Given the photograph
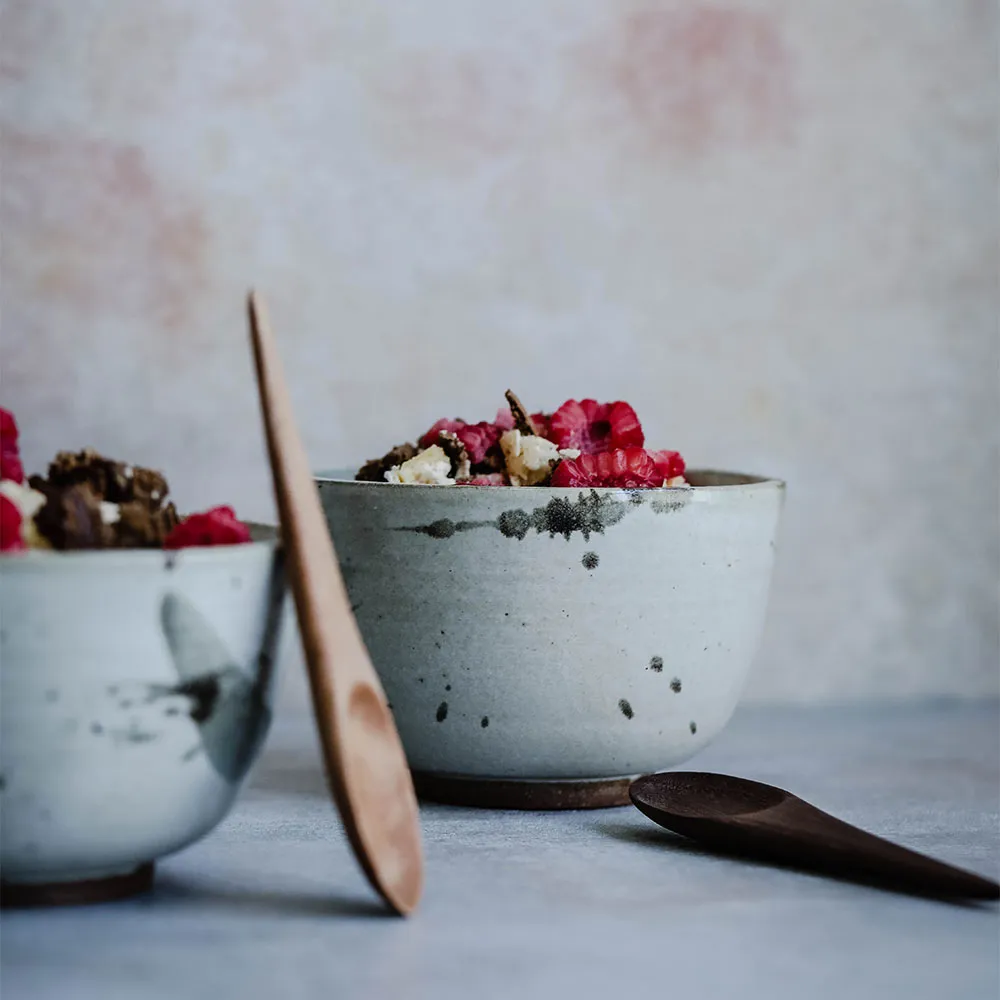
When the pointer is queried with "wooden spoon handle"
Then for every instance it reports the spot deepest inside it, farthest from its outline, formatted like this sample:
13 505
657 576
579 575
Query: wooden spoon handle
799 832
364 758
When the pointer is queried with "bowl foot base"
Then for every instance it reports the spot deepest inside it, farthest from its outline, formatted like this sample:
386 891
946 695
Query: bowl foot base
512 793
97 890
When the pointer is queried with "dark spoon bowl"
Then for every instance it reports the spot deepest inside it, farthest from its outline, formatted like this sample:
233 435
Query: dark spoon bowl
750 819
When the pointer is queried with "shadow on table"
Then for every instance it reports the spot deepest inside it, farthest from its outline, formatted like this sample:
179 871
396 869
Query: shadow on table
664 840
170 889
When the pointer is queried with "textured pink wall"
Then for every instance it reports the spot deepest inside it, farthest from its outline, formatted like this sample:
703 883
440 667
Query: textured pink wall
770 225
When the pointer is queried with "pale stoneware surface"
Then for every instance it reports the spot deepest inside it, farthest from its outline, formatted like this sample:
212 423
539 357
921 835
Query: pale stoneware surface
148 678
561 633
769 225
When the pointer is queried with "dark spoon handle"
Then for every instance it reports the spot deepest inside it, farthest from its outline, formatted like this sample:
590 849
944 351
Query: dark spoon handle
798 834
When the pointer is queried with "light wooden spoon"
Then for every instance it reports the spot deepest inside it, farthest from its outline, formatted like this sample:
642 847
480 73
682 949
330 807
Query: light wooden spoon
365 763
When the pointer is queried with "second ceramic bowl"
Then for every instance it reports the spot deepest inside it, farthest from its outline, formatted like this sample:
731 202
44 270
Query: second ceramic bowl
135 693
542 647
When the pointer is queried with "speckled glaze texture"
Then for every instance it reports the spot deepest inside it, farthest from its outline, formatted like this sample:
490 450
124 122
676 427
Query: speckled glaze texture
558 633
134 695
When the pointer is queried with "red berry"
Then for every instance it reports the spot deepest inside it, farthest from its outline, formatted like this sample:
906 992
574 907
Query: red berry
478 440
543 424
10 459
669 463
505 419
218 526
10 466
444 424
622 468
8 427
594 427
10 526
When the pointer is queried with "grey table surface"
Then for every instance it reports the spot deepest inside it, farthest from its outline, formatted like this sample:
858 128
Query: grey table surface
558 905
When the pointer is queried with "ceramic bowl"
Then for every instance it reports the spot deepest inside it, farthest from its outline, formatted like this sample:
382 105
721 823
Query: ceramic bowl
134 695
541 647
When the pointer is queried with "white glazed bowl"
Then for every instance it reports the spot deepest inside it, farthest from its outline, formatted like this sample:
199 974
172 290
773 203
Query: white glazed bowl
560 638
134 695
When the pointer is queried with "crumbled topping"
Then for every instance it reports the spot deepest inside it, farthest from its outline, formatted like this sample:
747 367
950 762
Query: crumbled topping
530 458
429 467
374 470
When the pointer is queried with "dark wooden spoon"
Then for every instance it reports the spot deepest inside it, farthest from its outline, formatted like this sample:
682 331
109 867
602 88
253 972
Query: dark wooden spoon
747 818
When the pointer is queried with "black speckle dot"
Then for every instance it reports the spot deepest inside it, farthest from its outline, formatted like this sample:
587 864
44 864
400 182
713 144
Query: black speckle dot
625 708
447 687
437 645
420 680
484 721
170 561
514 523
590 560
388 705
635 498
96 728
675 685
442 712
51 695
442 631
693 726
440 529
204 694
656 664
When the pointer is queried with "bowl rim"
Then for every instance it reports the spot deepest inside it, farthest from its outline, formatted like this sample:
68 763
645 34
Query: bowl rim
49 560
740 481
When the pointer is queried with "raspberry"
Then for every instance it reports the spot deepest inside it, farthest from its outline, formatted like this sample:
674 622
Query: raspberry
594 427
623 468
489 479
218 526
11 467
10 459
8 427
478 439
543 424
444 424
505 419
669 463
10 526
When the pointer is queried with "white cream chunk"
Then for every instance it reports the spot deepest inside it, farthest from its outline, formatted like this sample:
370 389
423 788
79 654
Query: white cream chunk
430 467
530 458
29 502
